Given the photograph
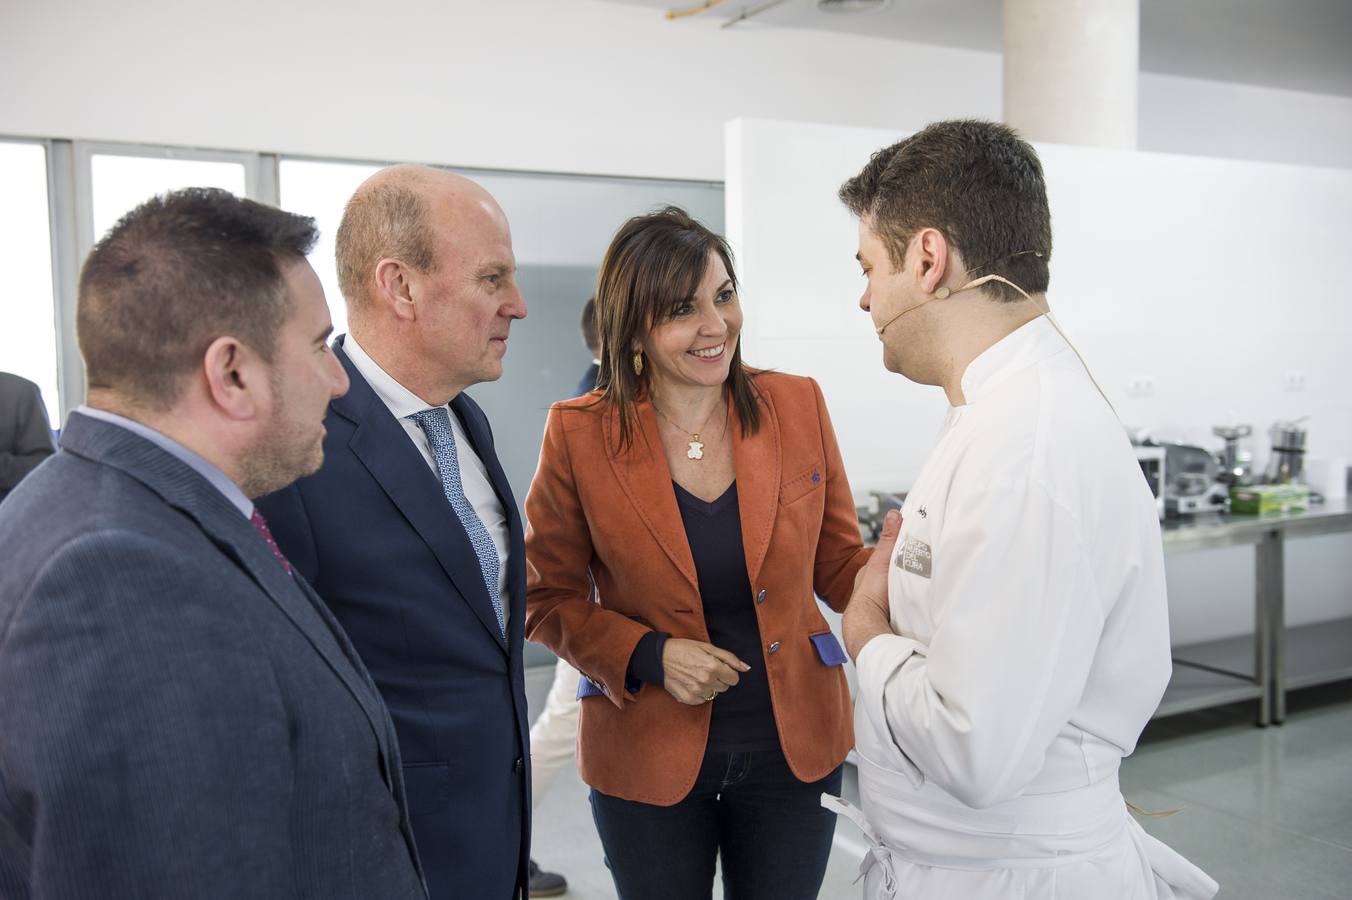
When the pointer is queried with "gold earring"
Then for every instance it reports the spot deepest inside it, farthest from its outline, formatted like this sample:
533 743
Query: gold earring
638 362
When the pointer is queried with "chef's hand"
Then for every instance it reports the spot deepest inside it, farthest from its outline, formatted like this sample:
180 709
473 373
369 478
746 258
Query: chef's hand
868 614
695 672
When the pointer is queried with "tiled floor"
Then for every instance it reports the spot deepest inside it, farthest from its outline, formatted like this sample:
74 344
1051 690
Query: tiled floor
1267 812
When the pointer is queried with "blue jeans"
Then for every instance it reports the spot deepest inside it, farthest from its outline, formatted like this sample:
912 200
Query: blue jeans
748 808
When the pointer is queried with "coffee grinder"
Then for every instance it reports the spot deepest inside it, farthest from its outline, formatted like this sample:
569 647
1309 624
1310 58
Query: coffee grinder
1287 463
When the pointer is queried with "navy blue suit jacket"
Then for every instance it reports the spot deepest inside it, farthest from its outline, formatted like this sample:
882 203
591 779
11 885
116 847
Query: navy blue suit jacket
375 535
588 382
178 716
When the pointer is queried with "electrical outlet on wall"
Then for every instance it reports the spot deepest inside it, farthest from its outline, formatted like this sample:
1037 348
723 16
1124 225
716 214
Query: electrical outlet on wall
1293 382
1140 386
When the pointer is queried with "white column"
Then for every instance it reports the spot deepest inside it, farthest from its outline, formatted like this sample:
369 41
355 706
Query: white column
1071 70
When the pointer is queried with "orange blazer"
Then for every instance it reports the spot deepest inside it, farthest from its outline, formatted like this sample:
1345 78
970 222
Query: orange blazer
594 512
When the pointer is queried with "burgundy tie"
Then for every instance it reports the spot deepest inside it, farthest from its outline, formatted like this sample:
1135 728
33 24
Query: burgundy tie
262 525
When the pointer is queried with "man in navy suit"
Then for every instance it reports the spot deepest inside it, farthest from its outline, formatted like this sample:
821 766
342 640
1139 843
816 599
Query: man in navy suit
180 716
410 533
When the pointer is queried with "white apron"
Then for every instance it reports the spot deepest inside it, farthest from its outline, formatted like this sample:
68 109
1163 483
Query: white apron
1110 856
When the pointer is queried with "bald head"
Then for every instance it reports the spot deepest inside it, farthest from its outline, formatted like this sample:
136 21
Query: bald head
396 214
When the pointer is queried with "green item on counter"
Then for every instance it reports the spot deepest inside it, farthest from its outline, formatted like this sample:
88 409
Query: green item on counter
1269 498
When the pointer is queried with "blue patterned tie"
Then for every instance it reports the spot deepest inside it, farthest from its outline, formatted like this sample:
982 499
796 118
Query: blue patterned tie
436 424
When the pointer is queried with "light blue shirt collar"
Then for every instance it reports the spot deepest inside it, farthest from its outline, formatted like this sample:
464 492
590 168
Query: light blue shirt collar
219 480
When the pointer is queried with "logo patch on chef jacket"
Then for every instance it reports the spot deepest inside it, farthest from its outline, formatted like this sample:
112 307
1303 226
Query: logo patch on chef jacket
915 557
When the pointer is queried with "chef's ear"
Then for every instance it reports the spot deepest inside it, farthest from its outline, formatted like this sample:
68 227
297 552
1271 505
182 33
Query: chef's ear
933 258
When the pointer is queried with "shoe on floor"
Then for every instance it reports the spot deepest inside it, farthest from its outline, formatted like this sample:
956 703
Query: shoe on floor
545 884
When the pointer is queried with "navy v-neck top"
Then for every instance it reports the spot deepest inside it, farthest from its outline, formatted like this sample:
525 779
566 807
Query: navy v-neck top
743 718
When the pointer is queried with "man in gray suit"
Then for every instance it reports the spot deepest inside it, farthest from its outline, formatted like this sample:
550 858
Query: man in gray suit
179 714
25 434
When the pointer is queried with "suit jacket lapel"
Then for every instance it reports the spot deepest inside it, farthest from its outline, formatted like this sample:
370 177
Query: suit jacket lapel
187 491
382 446
641 470
307 612
759 461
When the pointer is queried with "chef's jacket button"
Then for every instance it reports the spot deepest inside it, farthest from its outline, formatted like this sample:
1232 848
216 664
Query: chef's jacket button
774 648
760 598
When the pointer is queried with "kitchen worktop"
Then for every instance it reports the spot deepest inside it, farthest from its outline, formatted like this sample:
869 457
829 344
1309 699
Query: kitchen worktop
1207 530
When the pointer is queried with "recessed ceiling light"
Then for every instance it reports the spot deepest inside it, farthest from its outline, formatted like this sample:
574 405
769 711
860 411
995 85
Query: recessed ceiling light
851 6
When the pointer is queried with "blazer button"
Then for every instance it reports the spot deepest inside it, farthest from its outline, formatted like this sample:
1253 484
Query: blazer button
760 598
774 648
518 765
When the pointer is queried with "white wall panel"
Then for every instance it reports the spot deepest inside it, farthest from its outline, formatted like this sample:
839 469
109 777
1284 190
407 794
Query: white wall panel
548 85
1214 278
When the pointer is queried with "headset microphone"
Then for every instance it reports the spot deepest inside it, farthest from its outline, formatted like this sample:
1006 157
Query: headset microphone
944 293
899 315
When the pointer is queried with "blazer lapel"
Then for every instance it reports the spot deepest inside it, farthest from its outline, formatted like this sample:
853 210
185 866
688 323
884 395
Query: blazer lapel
187 491
758 460
641 470
382 446
302 606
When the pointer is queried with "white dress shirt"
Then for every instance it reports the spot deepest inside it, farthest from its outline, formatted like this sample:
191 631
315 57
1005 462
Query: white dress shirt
1031 647
403 403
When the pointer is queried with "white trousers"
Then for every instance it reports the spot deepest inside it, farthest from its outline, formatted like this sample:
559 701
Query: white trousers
553 737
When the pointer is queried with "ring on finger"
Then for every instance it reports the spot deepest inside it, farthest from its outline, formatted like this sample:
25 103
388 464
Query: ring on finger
712 695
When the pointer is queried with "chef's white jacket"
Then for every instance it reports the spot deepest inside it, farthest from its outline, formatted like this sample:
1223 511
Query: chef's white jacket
1031 646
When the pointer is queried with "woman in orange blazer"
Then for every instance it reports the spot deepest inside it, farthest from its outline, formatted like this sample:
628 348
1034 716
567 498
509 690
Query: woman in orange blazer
708 504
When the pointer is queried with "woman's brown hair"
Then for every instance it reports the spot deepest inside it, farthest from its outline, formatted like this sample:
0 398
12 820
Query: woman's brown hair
654 264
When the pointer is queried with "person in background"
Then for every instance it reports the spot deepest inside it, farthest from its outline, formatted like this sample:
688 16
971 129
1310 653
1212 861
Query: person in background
592 338
1011 632
182 717
410 532
25 432
553 737
708 503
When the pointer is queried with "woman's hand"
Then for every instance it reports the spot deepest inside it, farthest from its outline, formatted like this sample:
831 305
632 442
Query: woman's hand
868 614
695 672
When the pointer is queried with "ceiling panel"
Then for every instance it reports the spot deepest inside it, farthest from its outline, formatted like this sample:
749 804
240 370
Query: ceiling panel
1302 45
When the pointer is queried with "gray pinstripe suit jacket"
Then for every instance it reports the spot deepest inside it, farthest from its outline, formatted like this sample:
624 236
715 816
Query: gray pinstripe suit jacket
178 716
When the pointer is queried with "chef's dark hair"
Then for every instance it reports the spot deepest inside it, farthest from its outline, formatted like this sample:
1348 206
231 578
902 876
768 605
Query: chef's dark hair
978 183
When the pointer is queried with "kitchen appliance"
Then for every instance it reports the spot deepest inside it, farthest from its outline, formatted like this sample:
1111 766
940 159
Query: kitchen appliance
871 516
1191 484
1287 462
1236 462
1151 458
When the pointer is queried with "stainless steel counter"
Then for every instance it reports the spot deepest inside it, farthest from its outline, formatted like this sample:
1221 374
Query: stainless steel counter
1260 666
1275 658
1212 530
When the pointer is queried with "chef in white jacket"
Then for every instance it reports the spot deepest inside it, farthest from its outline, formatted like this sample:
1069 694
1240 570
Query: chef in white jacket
1011 634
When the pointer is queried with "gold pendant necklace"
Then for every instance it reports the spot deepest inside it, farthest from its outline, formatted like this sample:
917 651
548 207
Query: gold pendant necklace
695 448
